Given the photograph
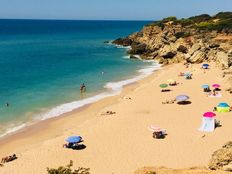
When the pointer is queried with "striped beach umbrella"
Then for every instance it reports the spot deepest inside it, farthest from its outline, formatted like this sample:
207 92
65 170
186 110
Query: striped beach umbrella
223 107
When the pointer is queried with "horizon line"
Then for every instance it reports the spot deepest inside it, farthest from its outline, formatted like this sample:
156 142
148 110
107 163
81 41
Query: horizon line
42 19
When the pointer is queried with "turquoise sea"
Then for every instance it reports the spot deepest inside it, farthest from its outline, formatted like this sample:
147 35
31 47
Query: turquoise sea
44 62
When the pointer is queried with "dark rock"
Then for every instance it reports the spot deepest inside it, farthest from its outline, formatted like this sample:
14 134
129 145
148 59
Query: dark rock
169 55
123 41
182 49
138 48
214 45
106 41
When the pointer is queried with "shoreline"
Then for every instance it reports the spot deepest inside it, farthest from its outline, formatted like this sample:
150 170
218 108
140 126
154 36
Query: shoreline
110 89
38 125
112 141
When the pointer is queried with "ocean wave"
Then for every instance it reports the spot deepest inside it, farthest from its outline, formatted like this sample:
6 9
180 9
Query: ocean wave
113 88
126 57
123 47
117 86
12 129
68 107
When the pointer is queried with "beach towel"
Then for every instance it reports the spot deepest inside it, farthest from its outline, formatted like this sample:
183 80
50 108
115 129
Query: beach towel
215 96
208 125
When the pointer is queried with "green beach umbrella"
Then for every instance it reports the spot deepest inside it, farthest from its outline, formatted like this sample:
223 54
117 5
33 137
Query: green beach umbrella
164 85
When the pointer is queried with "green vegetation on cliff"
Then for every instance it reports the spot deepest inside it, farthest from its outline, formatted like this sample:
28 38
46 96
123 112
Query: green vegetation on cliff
220 22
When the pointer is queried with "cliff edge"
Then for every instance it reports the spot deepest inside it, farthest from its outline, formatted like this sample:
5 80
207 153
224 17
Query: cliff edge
196 39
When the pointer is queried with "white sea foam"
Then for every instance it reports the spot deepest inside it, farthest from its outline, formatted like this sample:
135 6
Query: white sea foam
113 88
13 128
68 107
126 57
117 86
123 47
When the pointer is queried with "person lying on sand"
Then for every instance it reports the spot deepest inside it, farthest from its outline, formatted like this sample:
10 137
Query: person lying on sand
71 145
214 93
169 102
8 158
68 145
173 84
108 113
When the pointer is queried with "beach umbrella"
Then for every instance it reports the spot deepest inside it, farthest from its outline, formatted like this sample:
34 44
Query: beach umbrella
209 114
74 139
223 107
216 85
154 128
205 86
205 65
164 85
182 97
171 81
187 74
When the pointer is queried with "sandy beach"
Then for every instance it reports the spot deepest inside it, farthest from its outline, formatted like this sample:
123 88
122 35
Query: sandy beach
121 143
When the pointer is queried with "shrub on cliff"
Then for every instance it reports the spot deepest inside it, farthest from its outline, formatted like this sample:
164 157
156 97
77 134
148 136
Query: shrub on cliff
223 15
200 18
67 170
168 19
182 34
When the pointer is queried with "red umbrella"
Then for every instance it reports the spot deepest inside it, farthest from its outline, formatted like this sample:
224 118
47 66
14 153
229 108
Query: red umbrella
216 85
209 114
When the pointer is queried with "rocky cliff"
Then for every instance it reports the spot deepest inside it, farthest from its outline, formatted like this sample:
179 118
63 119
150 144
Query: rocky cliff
220 163
197 39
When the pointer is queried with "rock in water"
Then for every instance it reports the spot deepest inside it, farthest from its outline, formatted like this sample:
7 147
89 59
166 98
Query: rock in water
123 41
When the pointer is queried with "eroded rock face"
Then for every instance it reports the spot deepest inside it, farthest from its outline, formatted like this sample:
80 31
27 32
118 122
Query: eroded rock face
169 44
223 59
163 170
138 48
197 57
182 49
194 48
222 158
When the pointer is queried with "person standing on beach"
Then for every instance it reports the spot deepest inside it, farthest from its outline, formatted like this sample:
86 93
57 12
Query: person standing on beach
82 88
7 104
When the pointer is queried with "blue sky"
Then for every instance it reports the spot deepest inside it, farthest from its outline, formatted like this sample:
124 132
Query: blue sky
109 9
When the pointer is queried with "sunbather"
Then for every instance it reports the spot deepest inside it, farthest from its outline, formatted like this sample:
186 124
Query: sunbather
159 134
108 113
169 102
68 145
8 158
